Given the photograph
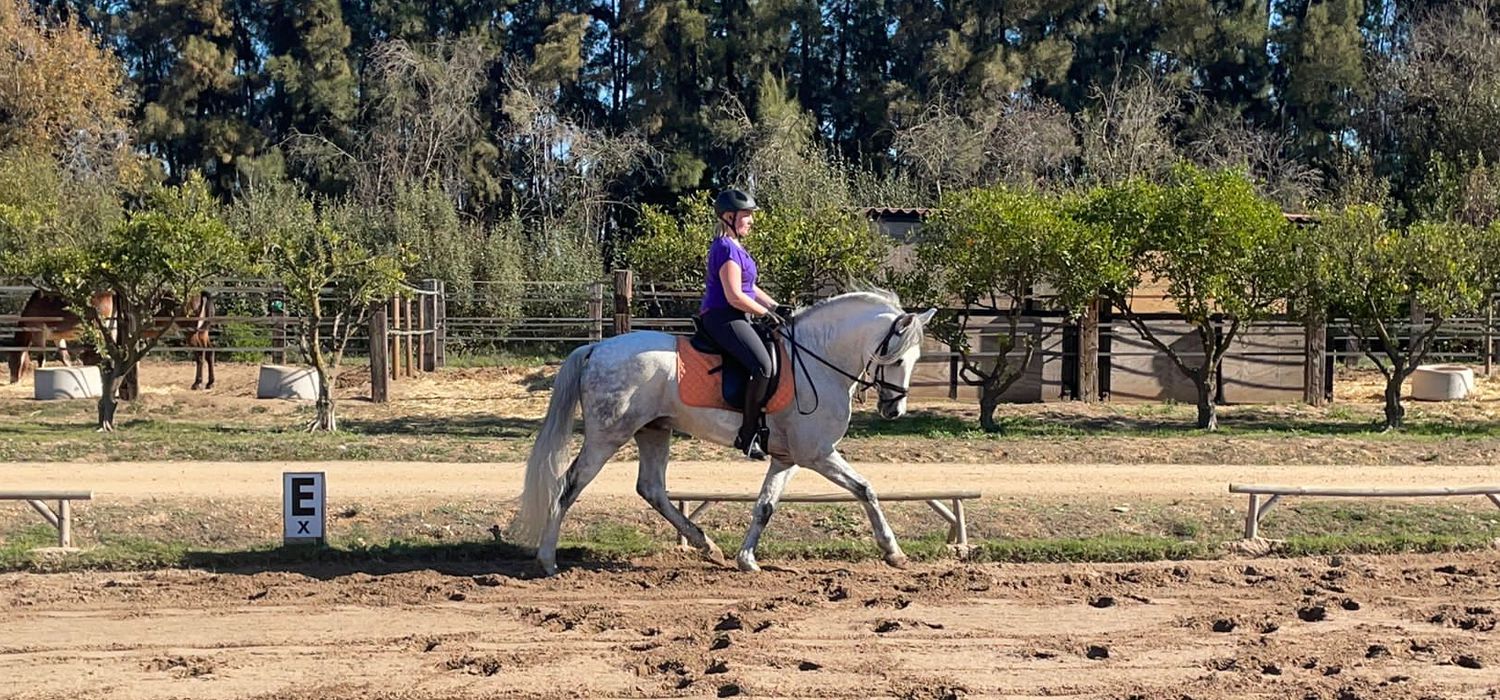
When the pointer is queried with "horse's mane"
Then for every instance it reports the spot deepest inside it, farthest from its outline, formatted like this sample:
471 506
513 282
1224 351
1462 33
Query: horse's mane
861 292
822 331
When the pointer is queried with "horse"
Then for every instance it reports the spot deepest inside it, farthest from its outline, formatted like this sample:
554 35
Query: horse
627 386
191 317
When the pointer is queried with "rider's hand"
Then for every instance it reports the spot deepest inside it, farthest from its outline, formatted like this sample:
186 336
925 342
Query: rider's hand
784 311
772 319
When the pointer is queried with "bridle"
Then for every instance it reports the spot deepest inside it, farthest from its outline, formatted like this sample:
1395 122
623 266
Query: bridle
889 393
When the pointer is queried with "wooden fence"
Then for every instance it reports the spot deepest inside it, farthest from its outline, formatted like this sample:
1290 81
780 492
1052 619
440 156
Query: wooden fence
413 333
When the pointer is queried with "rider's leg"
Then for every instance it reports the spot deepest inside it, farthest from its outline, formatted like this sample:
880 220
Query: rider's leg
734 332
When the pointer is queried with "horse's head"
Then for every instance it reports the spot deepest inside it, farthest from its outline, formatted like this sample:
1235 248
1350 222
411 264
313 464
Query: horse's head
898 354
888 340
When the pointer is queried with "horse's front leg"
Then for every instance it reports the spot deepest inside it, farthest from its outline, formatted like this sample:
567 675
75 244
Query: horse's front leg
777 477
841 474
198 371
62 351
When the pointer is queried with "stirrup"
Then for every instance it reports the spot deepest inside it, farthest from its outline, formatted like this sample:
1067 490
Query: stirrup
755 450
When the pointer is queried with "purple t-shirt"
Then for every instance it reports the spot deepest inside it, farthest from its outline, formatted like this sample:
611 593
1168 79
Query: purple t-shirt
722 250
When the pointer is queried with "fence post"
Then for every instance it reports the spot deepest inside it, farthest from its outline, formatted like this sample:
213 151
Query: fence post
596 311
624 290
1489 334
396 337
1088 353
1315 334
429 325
278 327
441 324
380 375
421 329
410 339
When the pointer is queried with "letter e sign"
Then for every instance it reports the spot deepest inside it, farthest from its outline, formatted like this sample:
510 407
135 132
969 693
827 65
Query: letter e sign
302 506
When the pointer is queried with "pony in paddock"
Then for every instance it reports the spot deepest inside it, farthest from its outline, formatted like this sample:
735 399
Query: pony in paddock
632 386
35 332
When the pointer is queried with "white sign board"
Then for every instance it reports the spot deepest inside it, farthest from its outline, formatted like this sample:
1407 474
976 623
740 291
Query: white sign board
302 510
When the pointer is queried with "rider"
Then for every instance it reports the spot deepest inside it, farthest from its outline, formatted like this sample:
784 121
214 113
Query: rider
730 300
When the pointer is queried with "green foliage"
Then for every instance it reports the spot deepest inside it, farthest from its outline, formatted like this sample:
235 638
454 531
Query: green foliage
157 258
1378 272
804 254
801 253
671 250
1220 247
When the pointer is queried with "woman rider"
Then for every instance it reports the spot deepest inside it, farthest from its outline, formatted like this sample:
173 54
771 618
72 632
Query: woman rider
730 299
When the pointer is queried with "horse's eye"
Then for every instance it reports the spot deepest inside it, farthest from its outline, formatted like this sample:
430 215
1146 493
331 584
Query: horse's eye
898 362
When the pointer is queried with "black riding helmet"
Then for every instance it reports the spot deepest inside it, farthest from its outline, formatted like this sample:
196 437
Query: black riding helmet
733 200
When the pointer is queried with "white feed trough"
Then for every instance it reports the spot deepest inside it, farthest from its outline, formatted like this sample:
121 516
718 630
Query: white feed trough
1441 382
51 383
282 382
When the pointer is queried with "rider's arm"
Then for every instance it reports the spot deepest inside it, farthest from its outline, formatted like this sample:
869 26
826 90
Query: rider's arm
729 276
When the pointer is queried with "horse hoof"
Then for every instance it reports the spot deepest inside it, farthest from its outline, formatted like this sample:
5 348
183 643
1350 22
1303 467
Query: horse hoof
549 569
896 560
196 387
746 562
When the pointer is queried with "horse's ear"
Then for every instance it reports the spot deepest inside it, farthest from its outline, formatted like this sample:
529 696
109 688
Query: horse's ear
926 316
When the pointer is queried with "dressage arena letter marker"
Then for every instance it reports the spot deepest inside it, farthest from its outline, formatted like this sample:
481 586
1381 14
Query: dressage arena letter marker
303 514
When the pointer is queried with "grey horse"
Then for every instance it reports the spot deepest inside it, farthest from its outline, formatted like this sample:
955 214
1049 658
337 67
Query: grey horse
627 386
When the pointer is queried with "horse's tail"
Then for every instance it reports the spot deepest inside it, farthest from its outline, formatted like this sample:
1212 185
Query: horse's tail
545 467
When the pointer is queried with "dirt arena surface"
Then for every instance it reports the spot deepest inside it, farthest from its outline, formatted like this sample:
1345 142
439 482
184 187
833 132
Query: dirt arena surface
1353 627
673 626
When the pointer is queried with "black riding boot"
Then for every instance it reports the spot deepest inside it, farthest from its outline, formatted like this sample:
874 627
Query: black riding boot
749 439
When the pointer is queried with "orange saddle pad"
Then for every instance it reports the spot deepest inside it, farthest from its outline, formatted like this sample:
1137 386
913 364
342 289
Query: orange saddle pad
697 387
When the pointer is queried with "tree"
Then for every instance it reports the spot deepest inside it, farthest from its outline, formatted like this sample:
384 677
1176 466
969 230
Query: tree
1220 249
153 262
332 273
63 95
312 80
197 69
1378 274
989 250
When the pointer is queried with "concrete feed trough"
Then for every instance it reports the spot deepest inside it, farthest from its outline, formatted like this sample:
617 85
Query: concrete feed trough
53 383
1442 382
282 382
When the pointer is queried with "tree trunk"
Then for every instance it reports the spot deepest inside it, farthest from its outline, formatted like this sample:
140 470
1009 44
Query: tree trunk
1395 413
1315 341
108 402
1088 354
130 386
326 421
989 400
1208 412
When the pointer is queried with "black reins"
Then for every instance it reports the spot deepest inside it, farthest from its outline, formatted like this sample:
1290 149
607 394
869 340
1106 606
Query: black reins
789 331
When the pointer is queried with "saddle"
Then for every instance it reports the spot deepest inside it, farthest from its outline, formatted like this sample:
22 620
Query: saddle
708 377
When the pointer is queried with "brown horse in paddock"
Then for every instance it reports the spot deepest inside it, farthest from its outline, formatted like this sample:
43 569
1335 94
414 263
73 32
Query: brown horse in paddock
192 319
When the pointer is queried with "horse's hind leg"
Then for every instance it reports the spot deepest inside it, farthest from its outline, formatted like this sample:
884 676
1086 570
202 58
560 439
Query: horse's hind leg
585 467
841 474
655 446
212 356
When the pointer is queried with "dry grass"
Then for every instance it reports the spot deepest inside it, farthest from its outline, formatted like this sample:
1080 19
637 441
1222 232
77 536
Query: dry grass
490 413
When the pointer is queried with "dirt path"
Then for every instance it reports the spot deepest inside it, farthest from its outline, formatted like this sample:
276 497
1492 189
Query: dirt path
1410 627
427 481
